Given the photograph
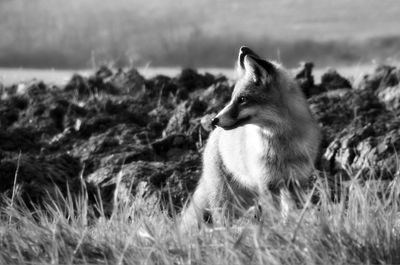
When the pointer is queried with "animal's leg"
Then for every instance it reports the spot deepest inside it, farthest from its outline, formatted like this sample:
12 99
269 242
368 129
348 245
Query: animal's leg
194 213
209 192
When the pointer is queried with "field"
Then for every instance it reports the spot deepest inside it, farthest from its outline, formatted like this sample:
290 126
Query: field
9 76
106 107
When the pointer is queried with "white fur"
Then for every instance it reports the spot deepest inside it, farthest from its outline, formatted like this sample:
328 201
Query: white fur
242 151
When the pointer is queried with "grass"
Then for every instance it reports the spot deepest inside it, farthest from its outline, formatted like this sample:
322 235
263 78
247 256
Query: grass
364 228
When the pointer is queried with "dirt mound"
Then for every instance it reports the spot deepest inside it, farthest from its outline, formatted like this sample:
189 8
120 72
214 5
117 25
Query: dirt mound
128 136
38 177
361 127
331 80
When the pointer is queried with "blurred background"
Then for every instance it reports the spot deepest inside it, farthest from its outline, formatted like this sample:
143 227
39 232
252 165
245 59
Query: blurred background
78 34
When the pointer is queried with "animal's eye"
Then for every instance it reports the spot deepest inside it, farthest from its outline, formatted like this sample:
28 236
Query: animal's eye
243 100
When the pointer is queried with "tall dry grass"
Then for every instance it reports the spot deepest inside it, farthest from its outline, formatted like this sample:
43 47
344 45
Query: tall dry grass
363 228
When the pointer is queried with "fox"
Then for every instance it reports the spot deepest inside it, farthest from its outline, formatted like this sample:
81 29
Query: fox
265 142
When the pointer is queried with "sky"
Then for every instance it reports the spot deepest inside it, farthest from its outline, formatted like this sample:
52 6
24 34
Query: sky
76 33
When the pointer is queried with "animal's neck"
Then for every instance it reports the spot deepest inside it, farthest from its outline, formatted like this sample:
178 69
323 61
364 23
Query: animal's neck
274 136
269 143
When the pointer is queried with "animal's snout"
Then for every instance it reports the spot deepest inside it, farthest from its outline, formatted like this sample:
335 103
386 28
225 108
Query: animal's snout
214 122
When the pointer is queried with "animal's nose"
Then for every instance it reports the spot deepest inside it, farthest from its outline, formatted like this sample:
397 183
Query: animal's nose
214 122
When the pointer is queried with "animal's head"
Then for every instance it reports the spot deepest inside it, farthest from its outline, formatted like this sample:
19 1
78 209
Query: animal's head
259 94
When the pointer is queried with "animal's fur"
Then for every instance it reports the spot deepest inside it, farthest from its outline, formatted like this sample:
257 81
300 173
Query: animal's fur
266 141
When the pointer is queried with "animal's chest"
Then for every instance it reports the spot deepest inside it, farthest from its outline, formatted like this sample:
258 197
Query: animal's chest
248 155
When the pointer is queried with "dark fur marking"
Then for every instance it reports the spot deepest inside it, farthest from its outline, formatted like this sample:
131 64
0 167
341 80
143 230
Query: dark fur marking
267 66
257 73
234 112
241 59
238 123
248 51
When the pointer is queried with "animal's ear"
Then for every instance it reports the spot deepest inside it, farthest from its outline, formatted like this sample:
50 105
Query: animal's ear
261 71
243 51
